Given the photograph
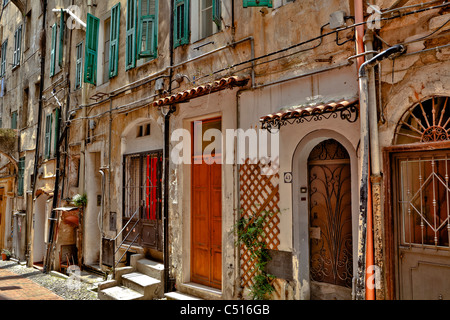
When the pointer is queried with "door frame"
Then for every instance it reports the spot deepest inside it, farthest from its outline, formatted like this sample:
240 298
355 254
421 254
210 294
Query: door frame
143 223
300 208
390 236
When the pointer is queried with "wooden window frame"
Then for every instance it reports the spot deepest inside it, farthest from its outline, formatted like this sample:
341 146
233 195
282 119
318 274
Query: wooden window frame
181 26
114 41
258 3
91 49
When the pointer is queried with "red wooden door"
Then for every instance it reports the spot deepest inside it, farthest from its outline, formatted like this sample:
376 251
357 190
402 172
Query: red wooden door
206 220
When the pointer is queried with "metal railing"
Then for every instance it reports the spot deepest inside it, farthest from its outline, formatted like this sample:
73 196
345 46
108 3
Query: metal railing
117 247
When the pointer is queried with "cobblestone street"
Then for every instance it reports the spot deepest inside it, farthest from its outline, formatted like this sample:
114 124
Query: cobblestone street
18 282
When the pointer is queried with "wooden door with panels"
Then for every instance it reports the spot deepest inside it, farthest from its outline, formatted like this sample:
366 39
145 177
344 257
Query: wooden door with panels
206 207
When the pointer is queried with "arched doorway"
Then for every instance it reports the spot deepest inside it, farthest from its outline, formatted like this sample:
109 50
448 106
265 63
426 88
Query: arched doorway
330 221
420 162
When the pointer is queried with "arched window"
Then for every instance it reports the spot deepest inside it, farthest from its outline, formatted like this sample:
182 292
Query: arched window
427 121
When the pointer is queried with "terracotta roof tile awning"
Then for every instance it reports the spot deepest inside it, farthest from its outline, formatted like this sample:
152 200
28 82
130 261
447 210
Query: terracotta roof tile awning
186 95
345 109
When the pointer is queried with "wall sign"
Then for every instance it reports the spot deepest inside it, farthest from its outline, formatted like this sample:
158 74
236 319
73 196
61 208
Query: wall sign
288 177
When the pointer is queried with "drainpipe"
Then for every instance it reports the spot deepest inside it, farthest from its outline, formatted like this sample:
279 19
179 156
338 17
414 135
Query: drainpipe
364 147
168 286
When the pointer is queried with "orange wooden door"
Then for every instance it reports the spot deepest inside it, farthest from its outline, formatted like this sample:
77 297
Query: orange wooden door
206 222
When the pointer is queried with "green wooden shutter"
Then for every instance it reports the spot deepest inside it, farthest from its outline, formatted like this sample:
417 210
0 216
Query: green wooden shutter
148 29
48 136
53 51
91 50
258 3
217 12
181 27
61 39
4 52
56 128
130 49
14 120
21 173
114 41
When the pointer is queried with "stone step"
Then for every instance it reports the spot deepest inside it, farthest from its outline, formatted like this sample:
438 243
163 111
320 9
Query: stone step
179 296
151 268
119 293
149 287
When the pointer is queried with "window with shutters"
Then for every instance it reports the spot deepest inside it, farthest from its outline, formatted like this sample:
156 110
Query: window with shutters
148 29
53 50
17 46
79 66
21 174
208 20
258 3
114 41
91 49
4 52
48 136
130 48
181 22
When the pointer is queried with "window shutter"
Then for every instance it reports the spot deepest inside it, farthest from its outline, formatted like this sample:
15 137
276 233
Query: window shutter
217 12
181 27
148 34
91 50
17 49
114 41
61 39
53 51
258 3
14 120
130 50
20 185
3 66
56 128
79 66
48 136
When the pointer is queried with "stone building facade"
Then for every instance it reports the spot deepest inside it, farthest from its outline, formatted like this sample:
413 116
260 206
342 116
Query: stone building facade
106 96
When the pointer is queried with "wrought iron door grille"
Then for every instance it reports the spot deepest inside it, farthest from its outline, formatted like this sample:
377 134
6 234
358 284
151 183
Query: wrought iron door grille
331 258
424 201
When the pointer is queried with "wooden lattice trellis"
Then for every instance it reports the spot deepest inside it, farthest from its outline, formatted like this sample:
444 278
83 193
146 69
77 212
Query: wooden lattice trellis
258 194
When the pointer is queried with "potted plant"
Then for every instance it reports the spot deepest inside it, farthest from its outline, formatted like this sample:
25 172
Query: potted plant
6 254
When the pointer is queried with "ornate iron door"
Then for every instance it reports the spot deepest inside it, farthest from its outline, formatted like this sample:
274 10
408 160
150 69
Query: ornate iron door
142 193
331 263
423 224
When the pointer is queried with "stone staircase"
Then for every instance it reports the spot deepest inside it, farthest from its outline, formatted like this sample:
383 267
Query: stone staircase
142 280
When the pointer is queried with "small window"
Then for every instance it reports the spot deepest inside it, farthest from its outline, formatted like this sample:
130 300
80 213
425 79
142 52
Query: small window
143 130
53 50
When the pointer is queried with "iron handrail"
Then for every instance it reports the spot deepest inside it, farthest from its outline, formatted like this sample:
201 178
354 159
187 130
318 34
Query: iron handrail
126 237
129 246
126 225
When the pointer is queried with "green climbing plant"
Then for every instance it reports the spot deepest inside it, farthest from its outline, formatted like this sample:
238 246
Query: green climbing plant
249 232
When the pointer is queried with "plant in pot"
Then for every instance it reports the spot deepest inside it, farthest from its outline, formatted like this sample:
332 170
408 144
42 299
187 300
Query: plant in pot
6 254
